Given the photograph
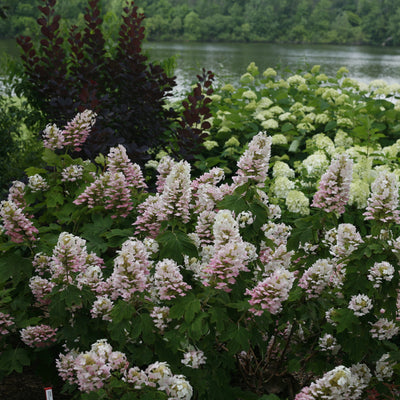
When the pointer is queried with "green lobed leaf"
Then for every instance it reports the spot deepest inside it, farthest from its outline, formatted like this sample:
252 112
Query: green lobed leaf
14 360
234 203
15 266
192 308
175 245
51 158
54 197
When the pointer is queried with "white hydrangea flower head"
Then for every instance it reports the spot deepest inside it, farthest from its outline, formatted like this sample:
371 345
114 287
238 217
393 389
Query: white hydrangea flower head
361 304
282 186
281 168
297 202
279 139
316 164
37 183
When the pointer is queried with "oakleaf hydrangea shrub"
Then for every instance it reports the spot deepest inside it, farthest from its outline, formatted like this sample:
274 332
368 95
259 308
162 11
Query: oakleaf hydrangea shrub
208 288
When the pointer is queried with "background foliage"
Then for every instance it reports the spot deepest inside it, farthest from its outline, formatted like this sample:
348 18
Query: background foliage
305 21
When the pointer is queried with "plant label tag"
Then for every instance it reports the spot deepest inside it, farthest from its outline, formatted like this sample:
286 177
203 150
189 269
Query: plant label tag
49 393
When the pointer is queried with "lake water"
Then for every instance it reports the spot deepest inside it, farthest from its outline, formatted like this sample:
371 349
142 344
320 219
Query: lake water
228 61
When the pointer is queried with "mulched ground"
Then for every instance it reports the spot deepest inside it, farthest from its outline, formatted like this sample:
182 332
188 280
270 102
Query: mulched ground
27 386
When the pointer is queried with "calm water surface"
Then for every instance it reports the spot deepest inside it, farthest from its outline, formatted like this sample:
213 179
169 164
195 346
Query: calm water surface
228 61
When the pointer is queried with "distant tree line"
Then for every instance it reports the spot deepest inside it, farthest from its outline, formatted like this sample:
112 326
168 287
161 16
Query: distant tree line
374 22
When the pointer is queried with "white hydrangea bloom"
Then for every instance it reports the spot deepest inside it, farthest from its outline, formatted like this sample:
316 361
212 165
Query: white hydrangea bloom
316 164
37 183
384 367
379 272
360 304
250 95
329 343
359 193
280 168
270 124
296 80
72 173
281 186
279 139
297 202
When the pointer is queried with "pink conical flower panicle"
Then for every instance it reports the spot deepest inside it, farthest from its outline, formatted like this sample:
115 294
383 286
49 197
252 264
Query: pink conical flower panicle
131 270
74 134
118 161
177 193
78 130
383 201
334 187
270 293
53 137
148 216
110 190
69 256
230 256
254 163
168 282
16 194
16 223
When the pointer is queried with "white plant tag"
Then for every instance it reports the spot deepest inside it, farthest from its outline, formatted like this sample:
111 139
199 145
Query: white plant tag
49 393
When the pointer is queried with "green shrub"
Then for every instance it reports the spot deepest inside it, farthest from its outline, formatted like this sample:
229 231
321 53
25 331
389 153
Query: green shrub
294 110
227 290
18 147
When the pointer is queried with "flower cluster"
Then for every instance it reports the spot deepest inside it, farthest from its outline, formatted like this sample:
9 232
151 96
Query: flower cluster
16 223
74 133
16 194
229 256
37 183
344 240
39 336
329 343
177 192
194 359
41 288
379 272
53 137
131 270
78 130
102 307
254 162
383 329
114 189
339 383
383 201
159 375
91 369
296 202
361 304
384 367
167 281
270 293
160 317
118 161
72 173
6 323
317 277
334 187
